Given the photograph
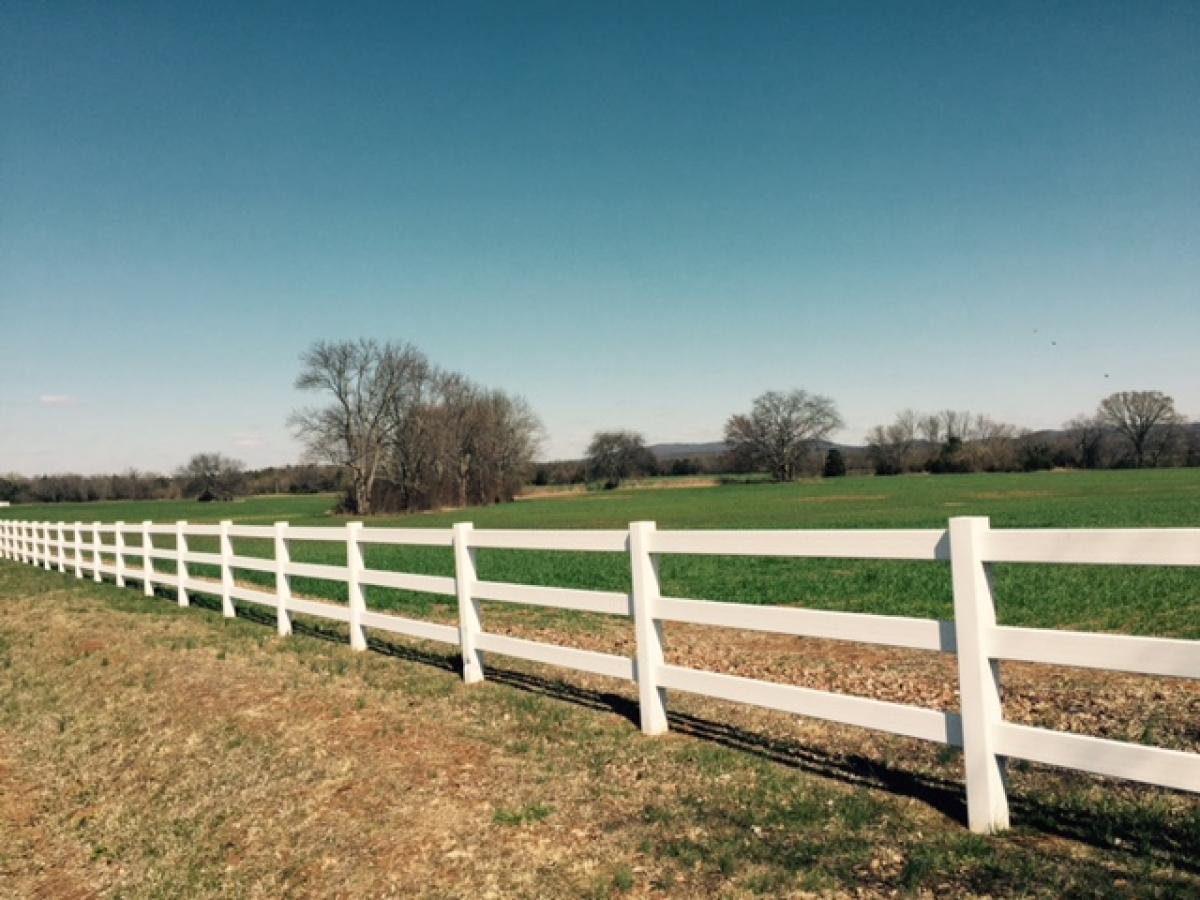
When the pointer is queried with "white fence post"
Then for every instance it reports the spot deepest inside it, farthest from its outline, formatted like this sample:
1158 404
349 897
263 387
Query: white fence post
62 548
46 546
283 586
147 560
227 609
119 542
78 550
27 542
652 699
470 620
181 570
358 603
978 675
96 576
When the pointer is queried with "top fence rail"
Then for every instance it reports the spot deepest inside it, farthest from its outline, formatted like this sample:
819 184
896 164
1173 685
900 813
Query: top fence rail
969 544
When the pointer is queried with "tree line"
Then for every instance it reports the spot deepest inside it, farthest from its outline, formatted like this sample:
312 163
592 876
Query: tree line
1129 429
785 435
208 476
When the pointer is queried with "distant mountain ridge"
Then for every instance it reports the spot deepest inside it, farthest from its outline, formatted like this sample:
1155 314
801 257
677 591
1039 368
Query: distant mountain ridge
716 448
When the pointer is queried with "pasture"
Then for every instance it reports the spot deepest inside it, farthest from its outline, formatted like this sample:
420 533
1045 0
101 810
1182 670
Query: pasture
479 789
1163 602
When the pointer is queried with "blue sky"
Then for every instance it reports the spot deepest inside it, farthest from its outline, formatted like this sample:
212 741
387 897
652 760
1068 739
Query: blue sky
635 215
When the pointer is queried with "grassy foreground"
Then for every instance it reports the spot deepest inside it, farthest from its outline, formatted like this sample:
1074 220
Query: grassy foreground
147 751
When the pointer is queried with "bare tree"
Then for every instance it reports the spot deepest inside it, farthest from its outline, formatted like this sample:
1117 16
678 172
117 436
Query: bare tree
1146 419
362 379
890 447
992 445
211 476
780 430
930 427
613 456
413 437
1086 435
955 424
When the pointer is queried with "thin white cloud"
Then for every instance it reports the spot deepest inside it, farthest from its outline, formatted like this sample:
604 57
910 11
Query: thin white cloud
247 440
56 400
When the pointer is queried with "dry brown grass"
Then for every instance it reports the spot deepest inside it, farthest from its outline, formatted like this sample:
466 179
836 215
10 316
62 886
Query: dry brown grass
151 752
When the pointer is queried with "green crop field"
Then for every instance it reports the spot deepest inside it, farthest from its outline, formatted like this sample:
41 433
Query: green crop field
1160 601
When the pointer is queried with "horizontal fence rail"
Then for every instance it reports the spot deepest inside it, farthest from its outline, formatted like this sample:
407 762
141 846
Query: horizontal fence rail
969 544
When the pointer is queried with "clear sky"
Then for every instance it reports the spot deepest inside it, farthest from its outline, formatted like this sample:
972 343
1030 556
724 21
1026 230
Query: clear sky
636 215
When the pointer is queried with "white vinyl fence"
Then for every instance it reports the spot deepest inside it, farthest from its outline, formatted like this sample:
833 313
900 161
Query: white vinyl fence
969 544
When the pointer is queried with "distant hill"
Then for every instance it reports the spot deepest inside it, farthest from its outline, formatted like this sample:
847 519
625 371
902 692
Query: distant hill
684 451
716 448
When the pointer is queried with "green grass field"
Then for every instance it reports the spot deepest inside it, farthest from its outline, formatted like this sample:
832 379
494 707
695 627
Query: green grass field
1159 601
735 801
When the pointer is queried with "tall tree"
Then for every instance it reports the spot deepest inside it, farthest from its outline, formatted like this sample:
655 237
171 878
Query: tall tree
613 456
362 380
1146 419
211 476
779 431
890 447
1086 434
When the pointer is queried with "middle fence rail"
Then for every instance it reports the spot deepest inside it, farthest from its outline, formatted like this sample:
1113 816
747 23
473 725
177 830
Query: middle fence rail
969 544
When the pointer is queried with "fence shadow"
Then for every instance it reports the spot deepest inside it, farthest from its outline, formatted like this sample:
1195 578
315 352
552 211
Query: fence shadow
1121 830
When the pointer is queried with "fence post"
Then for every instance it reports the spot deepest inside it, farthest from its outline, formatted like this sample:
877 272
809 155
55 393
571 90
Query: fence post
652 700
62 548
978 675
31 545
358 603
147 560
78 550
283 587
96 576
227 609
46 546
470 621
181 570
119 545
